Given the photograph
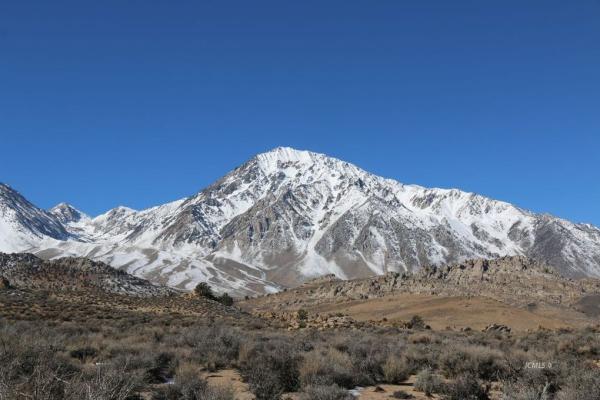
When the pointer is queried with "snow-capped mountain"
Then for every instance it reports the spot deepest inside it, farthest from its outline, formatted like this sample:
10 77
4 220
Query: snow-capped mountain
67 214
287 215
23 225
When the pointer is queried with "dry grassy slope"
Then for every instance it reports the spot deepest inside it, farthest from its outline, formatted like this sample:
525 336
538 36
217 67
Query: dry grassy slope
77 289
96 308
515 291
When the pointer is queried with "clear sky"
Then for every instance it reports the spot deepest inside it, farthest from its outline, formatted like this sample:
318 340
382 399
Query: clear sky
137 103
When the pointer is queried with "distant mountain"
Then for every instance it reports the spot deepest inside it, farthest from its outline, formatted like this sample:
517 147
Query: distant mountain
23 225
67 214
286 216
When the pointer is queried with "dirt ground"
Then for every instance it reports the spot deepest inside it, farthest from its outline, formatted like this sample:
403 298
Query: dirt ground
231 378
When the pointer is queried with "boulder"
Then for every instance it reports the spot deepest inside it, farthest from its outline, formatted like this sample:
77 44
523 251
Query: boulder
499 328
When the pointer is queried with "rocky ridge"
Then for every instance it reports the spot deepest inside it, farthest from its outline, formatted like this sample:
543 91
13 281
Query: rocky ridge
516 280
26 271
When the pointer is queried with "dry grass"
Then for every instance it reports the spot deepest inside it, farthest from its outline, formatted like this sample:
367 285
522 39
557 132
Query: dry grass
126 348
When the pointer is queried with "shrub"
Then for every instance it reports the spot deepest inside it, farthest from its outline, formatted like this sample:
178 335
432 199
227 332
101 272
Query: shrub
163 368
263 381
216 347
533 384
369 354
584 385
226 300
428 382
465 387
44 383
395 370
84 353
401 394
479 361
523 391
189 386
329 368
35 371
323 392
416 322
201 392
420 357
302 314
420 338
273 369
110 382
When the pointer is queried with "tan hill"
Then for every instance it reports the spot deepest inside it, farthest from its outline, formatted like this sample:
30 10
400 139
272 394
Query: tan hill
81 290
515 291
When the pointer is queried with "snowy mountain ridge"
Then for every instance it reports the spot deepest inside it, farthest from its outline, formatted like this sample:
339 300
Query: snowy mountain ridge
288 215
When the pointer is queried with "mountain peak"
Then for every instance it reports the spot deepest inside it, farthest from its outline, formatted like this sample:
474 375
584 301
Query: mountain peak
22 224
62 206
287 151
285 155
66 213
281 158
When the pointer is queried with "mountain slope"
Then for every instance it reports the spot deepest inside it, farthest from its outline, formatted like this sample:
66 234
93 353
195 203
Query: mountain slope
23 225
67 214
287 215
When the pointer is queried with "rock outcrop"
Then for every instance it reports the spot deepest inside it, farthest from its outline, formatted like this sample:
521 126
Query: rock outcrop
26 271
299 319
497 328
517 281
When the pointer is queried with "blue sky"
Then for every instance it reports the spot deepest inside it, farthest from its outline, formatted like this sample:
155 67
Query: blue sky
141 102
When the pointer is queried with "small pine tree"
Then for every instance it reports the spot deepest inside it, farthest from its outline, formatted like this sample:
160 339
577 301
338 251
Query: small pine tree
203 289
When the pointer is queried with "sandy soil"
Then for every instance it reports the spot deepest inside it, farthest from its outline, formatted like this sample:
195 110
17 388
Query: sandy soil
230 378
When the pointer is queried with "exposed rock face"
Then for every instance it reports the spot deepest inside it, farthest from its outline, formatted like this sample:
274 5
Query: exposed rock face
67 214
287 216
497 328
515 280
27 271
